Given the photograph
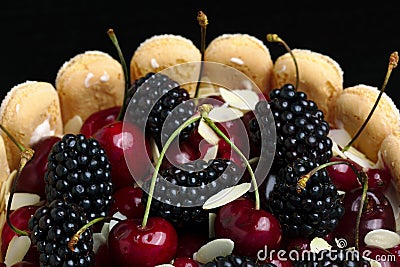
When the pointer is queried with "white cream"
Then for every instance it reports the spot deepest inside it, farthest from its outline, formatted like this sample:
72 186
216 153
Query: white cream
105 77
87 79
40 131
237 60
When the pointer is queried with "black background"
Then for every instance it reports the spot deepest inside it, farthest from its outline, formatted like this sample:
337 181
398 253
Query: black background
39 36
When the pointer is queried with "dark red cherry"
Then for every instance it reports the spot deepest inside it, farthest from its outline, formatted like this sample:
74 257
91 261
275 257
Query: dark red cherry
250 229
185 262
189 242
395 251
98 120
19 218
31 178
25 264
342 175
379 179
131 245
102 256
128 201
377 214
125 142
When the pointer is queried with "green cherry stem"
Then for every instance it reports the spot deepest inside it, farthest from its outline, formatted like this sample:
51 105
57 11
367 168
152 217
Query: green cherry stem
210 123
276 39
393 61
114 40
26 155
362 177
203 22
159 161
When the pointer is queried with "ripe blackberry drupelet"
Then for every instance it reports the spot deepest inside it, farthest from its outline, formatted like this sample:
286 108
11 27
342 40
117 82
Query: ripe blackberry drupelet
52 227
78 171
313 211
236 261
160 95
199 174
300 127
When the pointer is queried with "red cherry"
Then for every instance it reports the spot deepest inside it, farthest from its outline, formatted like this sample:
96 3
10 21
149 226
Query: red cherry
25 264
395 251
102 258
121 139
379 179
19 218
31 177
185 262
98 120
377 214
250 229
131 245
383 256
128 201
342 175
189 242
183 153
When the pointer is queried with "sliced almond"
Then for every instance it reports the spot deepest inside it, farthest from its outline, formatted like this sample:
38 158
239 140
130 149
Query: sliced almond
359 158
207 133
382 238
74 125
17 249
226 195
211 220
240 98
117 215
165 265
98 240
22 199
155 152
217 247
223 114
211 153
317 244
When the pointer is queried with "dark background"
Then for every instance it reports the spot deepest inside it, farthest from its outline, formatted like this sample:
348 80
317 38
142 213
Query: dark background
37 37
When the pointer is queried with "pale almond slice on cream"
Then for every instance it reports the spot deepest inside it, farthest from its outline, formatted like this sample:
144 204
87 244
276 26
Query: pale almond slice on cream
226 196
17 249
240 98
74 125
217 247
207 133
224 114
382 238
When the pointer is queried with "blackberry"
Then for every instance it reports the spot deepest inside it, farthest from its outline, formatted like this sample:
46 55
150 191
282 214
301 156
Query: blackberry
155 97
52 227
313 211
333 257
78 171
236 261
301 129
197 180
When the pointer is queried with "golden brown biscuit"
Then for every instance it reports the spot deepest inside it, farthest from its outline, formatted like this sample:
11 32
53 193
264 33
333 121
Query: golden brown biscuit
30 111
352 108
89 82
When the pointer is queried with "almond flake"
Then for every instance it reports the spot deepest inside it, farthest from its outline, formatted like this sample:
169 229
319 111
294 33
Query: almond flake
74 125
215 248
382 238
240 98
223 114
23 199
17 249
207 133
226 195
211 153
317 244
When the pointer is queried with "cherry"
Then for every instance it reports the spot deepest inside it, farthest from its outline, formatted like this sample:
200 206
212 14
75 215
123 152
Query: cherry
395 251
128 201
31 177
379 179
25 264
98 120
342 175
189 242
102 258
185 262
377 214
183 153
383 256
131 245
118 140
19 219
251 229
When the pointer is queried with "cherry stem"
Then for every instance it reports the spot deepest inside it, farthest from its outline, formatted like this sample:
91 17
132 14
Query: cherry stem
114 39
393 60
75 238
361 176
158 164
26 155
203 22
276 39
210 123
